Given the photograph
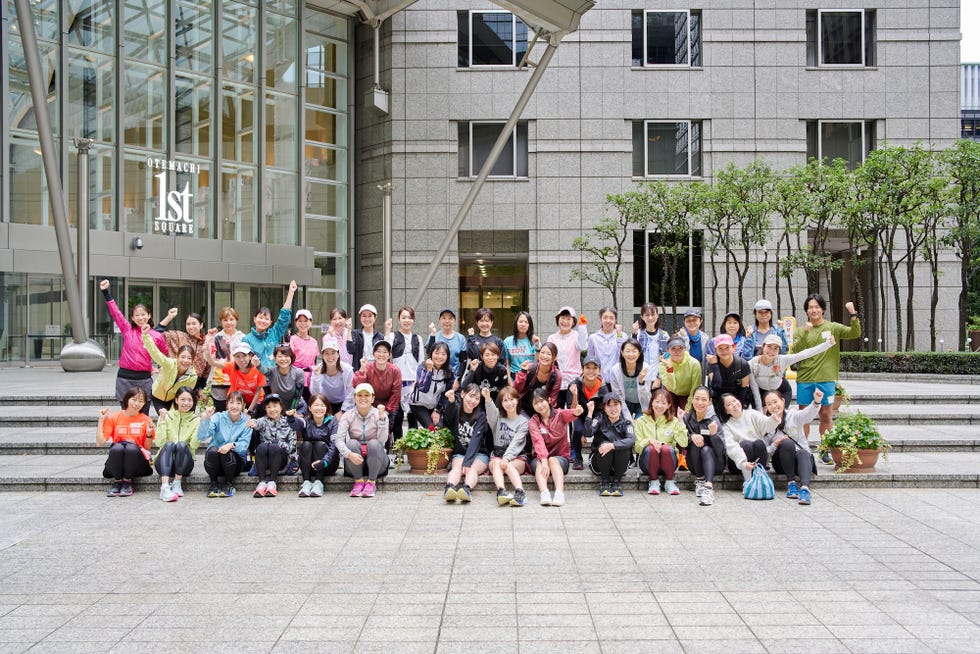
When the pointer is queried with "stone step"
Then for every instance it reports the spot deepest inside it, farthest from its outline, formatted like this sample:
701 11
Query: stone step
84 472
81 440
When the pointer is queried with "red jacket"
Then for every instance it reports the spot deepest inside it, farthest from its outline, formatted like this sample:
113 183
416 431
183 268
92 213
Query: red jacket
551 439
387 384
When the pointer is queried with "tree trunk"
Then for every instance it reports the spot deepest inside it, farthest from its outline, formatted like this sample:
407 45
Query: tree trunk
909 293
714 285
934 299
897 297
882 313
964 286
765 277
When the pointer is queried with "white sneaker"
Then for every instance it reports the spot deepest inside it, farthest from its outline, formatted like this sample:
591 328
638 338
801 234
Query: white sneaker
670 486
177 488
707 496
317 490
167 494
304 490
654 487
698 487
559 498
546 498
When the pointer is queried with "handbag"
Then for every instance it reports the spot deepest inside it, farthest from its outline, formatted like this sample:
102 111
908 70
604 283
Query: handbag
759 486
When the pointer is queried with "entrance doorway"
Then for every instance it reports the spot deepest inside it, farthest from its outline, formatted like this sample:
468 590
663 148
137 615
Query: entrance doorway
187 297
499 284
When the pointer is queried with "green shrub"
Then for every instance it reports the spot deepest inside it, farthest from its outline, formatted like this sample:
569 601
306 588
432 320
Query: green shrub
936 363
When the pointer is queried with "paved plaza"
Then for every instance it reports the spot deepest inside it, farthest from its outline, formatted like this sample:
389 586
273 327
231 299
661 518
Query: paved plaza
861 570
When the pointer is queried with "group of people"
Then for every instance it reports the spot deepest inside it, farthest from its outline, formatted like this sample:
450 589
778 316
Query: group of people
278 399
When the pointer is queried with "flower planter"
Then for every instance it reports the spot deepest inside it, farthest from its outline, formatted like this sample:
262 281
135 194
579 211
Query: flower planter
418 461
866 463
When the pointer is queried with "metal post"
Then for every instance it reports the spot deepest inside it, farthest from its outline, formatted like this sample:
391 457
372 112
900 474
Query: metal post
83 145
498 147
386 247
83 354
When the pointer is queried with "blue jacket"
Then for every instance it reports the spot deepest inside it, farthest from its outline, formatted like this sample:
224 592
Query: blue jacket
264 344
220 430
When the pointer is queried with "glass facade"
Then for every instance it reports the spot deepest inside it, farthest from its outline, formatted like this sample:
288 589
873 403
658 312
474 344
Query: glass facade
252 96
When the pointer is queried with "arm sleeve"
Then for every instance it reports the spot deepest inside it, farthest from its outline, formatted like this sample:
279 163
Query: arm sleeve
629 439
151 347
787 360
520 380
537 441
754 385
395 396
643 435
583 336
480 433
555 388
493 415
339 437
746 348
845 332
116 314
282 323
205 431
733 450
359 377
517 443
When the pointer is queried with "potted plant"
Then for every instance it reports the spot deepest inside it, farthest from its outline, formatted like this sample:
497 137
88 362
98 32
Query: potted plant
854 443
427 450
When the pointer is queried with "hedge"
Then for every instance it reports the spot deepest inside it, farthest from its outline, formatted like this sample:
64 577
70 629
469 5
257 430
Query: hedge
936 363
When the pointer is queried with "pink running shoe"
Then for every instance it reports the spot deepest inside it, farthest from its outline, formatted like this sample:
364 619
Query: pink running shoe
368 489
271 490
358 489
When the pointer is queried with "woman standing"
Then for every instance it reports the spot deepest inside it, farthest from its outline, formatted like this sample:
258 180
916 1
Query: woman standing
340 324
606 343
177 439
651 337
135 364
407 354
304 347
225 342
732 326
126 431
265 335
752 345
521 345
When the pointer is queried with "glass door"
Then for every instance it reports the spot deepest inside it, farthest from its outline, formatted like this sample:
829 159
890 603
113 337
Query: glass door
496 283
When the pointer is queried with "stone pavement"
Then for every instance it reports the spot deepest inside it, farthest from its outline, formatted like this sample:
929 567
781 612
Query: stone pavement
873 570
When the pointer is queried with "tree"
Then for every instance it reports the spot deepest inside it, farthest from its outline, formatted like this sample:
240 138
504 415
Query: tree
604 245
892 191
671 213
963 169
736 217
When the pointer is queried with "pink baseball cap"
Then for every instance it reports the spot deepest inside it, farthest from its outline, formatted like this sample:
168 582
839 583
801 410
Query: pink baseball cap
723 339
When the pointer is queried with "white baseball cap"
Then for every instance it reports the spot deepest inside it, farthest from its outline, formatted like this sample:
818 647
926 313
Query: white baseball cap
304 312
368 307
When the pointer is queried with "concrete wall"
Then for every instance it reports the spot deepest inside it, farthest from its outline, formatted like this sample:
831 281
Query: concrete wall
753 93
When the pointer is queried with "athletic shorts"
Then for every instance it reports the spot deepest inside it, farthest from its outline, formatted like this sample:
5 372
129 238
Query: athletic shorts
804 392
561 460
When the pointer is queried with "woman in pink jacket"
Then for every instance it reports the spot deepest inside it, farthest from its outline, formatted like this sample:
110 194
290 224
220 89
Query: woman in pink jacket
135 364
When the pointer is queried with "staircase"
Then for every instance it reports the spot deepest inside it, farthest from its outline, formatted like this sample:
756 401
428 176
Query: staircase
48 420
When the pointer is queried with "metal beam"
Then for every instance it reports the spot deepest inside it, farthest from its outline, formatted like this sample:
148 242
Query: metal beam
481 178
81 355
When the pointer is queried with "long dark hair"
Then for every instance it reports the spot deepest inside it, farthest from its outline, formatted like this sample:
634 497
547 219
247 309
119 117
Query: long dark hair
650 306
530 326
622 361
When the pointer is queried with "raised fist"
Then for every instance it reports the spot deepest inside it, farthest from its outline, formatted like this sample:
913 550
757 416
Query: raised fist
850 307
713 428
172 312
104 284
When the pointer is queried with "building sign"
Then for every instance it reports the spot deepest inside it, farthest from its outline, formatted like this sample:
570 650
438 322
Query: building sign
175 206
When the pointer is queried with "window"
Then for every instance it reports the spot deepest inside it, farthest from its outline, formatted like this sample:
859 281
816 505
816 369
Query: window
477 139
849 140
666 148
490 38
840 37
666 38
664 275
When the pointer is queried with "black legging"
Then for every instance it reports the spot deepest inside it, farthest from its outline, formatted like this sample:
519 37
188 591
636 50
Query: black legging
269 460
611 465
310 451
792 460
174 460
754 450
126 461
708 460
159 404
422 415
226 465
784 389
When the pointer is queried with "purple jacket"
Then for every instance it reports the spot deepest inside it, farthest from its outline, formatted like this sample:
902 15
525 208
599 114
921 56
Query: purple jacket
134 356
